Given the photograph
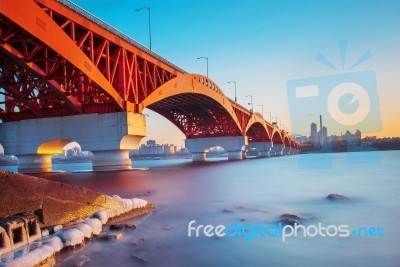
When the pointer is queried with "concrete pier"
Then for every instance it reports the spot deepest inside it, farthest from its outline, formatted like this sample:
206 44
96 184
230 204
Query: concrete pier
34 163
109 136
277 149
263 148
286 151
235 145
235 155
111 160
199 156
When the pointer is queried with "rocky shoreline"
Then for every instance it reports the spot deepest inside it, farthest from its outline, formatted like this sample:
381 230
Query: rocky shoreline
39 218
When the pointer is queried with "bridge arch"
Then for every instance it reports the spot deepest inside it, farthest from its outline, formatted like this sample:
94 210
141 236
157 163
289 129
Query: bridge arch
257 129
277 138
196 105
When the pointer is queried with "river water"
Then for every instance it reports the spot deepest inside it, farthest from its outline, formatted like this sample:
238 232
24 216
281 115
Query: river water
251 192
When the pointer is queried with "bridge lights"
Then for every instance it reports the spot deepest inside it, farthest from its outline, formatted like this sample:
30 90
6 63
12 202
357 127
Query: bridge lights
148 9
262 110
235 89
206 58
270 115
251 102
276 120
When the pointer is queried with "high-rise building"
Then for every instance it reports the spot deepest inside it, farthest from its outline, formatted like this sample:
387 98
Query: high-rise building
313 135
324 134
321 136
151 142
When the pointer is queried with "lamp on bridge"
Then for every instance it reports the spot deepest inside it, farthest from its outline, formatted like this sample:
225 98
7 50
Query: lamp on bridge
206 58
262 110
148 9
276 120
270 115
251 102
235 89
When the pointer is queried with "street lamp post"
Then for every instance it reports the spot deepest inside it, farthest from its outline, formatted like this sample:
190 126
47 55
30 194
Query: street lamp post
251 102
206 58
262 110
148 9
235 89
270 115
276 120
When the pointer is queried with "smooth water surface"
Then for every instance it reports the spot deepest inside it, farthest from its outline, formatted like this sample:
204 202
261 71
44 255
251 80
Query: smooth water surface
251 192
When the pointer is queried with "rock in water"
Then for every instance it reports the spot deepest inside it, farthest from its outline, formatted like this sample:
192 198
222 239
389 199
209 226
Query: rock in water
110 236
290 217
291 222
336 197
122 226
227 211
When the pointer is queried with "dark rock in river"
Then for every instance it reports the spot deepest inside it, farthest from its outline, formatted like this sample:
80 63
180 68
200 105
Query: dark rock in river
110 236
287 221
227 211
290 217
123 226
139 259
336 197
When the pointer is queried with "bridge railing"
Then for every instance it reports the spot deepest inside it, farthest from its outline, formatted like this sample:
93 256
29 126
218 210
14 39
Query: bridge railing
110 28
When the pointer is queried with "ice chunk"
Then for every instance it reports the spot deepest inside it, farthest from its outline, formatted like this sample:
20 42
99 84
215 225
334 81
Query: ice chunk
95 224
49 247
138 203
85 229
102 216
72 237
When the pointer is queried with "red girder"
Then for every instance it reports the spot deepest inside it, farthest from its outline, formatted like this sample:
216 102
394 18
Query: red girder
197 116
132 72
59 60
242 116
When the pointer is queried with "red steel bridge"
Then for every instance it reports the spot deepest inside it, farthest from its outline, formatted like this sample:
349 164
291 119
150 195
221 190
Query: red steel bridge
58 60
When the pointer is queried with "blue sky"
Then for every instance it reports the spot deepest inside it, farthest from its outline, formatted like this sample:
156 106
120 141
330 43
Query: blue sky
263 44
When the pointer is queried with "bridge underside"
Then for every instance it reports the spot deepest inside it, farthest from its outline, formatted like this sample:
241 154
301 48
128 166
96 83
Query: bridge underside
258 133
197 116
56 62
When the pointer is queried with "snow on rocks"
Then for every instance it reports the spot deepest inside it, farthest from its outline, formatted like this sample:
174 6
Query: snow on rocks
56 238
48 248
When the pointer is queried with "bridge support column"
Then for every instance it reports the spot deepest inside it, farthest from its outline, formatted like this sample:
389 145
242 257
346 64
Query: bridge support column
235 155
109 136
34 163
235 145
286 151
277 149
199 156
110 160
263 148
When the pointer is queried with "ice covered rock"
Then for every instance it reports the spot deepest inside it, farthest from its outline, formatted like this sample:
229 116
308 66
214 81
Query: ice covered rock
85 229
102 216
72 237
138 203
95 224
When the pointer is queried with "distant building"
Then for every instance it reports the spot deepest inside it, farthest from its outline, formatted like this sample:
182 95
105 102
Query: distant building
324 134
300 138
151 148
151 142
314 133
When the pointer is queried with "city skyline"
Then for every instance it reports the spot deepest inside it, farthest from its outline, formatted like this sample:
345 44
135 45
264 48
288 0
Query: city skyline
273 42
